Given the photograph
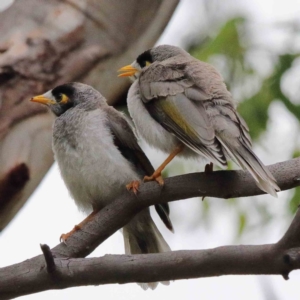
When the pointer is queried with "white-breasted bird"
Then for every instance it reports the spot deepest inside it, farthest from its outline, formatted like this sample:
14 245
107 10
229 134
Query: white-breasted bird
181 105
98 155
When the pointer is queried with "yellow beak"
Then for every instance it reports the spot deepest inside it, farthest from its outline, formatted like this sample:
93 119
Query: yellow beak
128 70
43 100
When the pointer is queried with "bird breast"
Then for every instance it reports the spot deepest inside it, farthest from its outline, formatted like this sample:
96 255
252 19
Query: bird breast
94 170
146 126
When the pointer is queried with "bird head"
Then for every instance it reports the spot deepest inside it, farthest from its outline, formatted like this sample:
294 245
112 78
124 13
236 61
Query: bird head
144 60
69 95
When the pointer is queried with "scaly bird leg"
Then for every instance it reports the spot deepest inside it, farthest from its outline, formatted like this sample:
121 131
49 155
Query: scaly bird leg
65 236
157 174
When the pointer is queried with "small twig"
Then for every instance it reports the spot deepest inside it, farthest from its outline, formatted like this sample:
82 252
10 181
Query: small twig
48 258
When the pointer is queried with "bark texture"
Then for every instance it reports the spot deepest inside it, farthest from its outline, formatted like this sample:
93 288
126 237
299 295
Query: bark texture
44 43
64 265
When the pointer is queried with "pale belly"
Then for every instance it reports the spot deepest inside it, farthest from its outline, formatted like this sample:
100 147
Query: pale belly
95 172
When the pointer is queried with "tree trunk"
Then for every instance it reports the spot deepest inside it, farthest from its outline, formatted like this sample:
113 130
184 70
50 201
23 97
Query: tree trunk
45 43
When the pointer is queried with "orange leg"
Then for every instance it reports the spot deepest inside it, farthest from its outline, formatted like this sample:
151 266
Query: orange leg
134 186
157 174
65 236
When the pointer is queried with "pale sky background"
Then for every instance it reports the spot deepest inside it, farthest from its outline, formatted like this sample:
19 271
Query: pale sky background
41 222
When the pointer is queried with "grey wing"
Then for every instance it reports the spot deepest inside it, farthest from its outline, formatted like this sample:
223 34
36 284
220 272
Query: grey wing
174 100
197 80
189 123
202 85
126 141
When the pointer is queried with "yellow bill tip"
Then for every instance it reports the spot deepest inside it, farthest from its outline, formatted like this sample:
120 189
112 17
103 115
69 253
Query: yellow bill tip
127 74
42 99
127 71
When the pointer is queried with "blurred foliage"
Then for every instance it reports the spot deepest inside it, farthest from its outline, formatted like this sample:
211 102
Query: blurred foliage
242 223
255 109
295 200
230 47
226 43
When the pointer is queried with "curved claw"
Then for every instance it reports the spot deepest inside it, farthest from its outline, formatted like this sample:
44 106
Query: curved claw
134 186
63 238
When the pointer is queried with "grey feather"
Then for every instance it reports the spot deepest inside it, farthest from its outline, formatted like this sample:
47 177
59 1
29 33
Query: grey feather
204 141
199 94
126 141
141 236
98 154
163 211
234 137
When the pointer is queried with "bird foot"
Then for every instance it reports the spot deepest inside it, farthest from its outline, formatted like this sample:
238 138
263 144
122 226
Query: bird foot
63 238
158 178
134 186
209 168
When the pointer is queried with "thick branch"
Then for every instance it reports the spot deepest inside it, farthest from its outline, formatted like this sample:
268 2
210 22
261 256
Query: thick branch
279 258
229 260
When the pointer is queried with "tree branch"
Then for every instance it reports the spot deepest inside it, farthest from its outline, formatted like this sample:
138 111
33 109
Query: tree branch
271 259
281 258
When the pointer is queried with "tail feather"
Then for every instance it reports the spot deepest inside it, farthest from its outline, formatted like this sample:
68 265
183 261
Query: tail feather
141 236
246 158
163 211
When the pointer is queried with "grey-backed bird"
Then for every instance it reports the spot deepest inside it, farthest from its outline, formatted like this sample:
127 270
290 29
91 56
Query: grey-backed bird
181 105
98 154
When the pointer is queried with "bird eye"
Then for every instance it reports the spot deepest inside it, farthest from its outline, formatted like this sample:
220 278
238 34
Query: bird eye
63 98
148 63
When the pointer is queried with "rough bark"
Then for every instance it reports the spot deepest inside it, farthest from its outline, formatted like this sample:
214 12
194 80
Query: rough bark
45 43
56 269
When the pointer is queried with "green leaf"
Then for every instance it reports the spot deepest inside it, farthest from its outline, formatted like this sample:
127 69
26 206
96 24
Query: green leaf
226 42
296 153
242 223
295 201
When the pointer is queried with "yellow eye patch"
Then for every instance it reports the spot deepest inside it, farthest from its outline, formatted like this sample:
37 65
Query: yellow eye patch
148 63
64 99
